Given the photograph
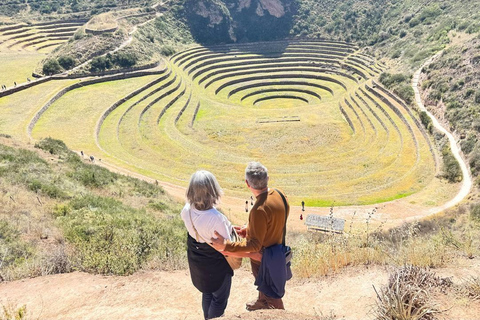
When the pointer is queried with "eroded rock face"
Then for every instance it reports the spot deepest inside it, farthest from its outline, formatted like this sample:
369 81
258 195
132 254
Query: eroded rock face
209 21
223 21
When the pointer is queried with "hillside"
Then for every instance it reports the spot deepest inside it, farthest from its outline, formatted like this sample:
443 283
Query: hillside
147 92
63 214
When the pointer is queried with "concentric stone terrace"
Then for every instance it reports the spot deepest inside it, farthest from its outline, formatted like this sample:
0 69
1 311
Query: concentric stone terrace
309 110
40 35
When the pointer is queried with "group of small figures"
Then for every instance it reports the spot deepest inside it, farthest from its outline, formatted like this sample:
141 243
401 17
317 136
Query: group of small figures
251 203
92 158
4 87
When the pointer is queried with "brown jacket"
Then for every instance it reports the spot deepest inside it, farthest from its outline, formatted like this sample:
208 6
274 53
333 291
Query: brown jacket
265 224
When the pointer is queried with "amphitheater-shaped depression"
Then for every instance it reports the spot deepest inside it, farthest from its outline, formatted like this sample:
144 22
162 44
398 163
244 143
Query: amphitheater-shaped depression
309 110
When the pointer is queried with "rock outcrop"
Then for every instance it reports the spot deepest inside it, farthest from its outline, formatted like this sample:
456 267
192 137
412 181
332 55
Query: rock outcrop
226 21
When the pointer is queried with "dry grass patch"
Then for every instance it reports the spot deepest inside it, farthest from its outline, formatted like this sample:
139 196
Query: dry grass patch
408 295
12 312
102 22
470 288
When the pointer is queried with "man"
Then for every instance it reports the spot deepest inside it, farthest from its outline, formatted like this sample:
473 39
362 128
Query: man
265 228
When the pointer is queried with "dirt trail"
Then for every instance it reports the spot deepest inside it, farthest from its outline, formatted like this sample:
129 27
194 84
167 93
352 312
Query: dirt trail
467 179
171 295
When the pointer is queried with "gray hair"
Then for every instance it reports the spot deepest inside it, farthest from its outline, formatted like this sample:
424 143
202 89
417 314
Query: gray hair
257 175
203 190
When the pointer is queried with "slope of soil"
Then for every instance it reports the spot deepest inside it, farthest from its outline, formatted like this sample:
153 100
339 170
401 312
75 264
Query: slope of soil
171 295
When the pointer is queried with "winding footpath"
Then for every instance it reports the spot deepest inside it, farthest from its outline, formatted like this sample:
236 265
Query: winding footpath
467 179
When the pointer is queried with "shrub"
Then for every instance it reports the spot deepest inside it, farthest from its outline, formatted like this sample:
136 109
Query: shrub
67 62
396 54
477 97
414 22
388 79
157 205
407 295
167 51
47 188
469 93
53 146
475 211
100 64
15 251
15 162
426 121
454 105
468 144
111 238
435 95
91 175
405 92
51 67
475 161
125 60
451 168
144 188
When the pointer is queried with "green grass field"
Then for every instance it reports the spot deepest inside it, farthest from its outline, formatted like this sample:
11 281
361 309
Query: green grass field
18 67
307 110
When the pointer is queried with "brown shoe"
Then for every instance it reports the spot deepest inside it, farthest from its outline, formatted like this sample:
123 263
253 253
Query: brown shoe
274 303
260 303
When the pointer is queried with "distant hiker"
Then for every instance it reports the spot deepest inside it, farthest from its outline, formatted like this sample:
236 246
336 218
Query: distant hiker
264 231
246 206
81 152
28 79
303 205
156 182
92 159
251 200
14 83
301 216
210 272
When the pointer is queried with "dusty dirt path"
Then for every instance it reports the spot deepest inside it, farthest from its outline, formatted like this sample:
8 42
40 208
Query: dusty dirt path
467 179
171 295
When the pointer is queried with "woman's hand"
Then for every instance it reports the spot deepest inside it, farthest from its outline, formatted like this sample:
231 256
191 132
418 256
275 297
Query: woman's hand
241 231
257 256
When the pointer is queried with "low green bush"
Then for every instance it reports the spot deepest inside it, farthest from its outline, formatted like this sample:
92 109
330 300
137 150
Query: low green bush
67 62
14 251
53 146
47 188
51 67
112 238
92 176
475 211
451 168
426 121
167 51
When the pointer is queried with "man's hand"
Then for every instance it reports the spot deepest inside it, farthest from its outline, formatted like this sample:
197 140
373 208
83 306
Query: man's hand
219 243
241 231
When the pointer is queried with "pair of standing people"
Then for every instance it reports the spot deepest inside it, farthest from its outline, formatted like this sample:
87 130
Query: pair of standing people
209 239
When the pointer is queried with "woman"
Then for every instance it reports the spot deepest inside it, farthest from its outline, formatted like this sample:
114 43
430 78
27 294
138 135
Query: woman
209 270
